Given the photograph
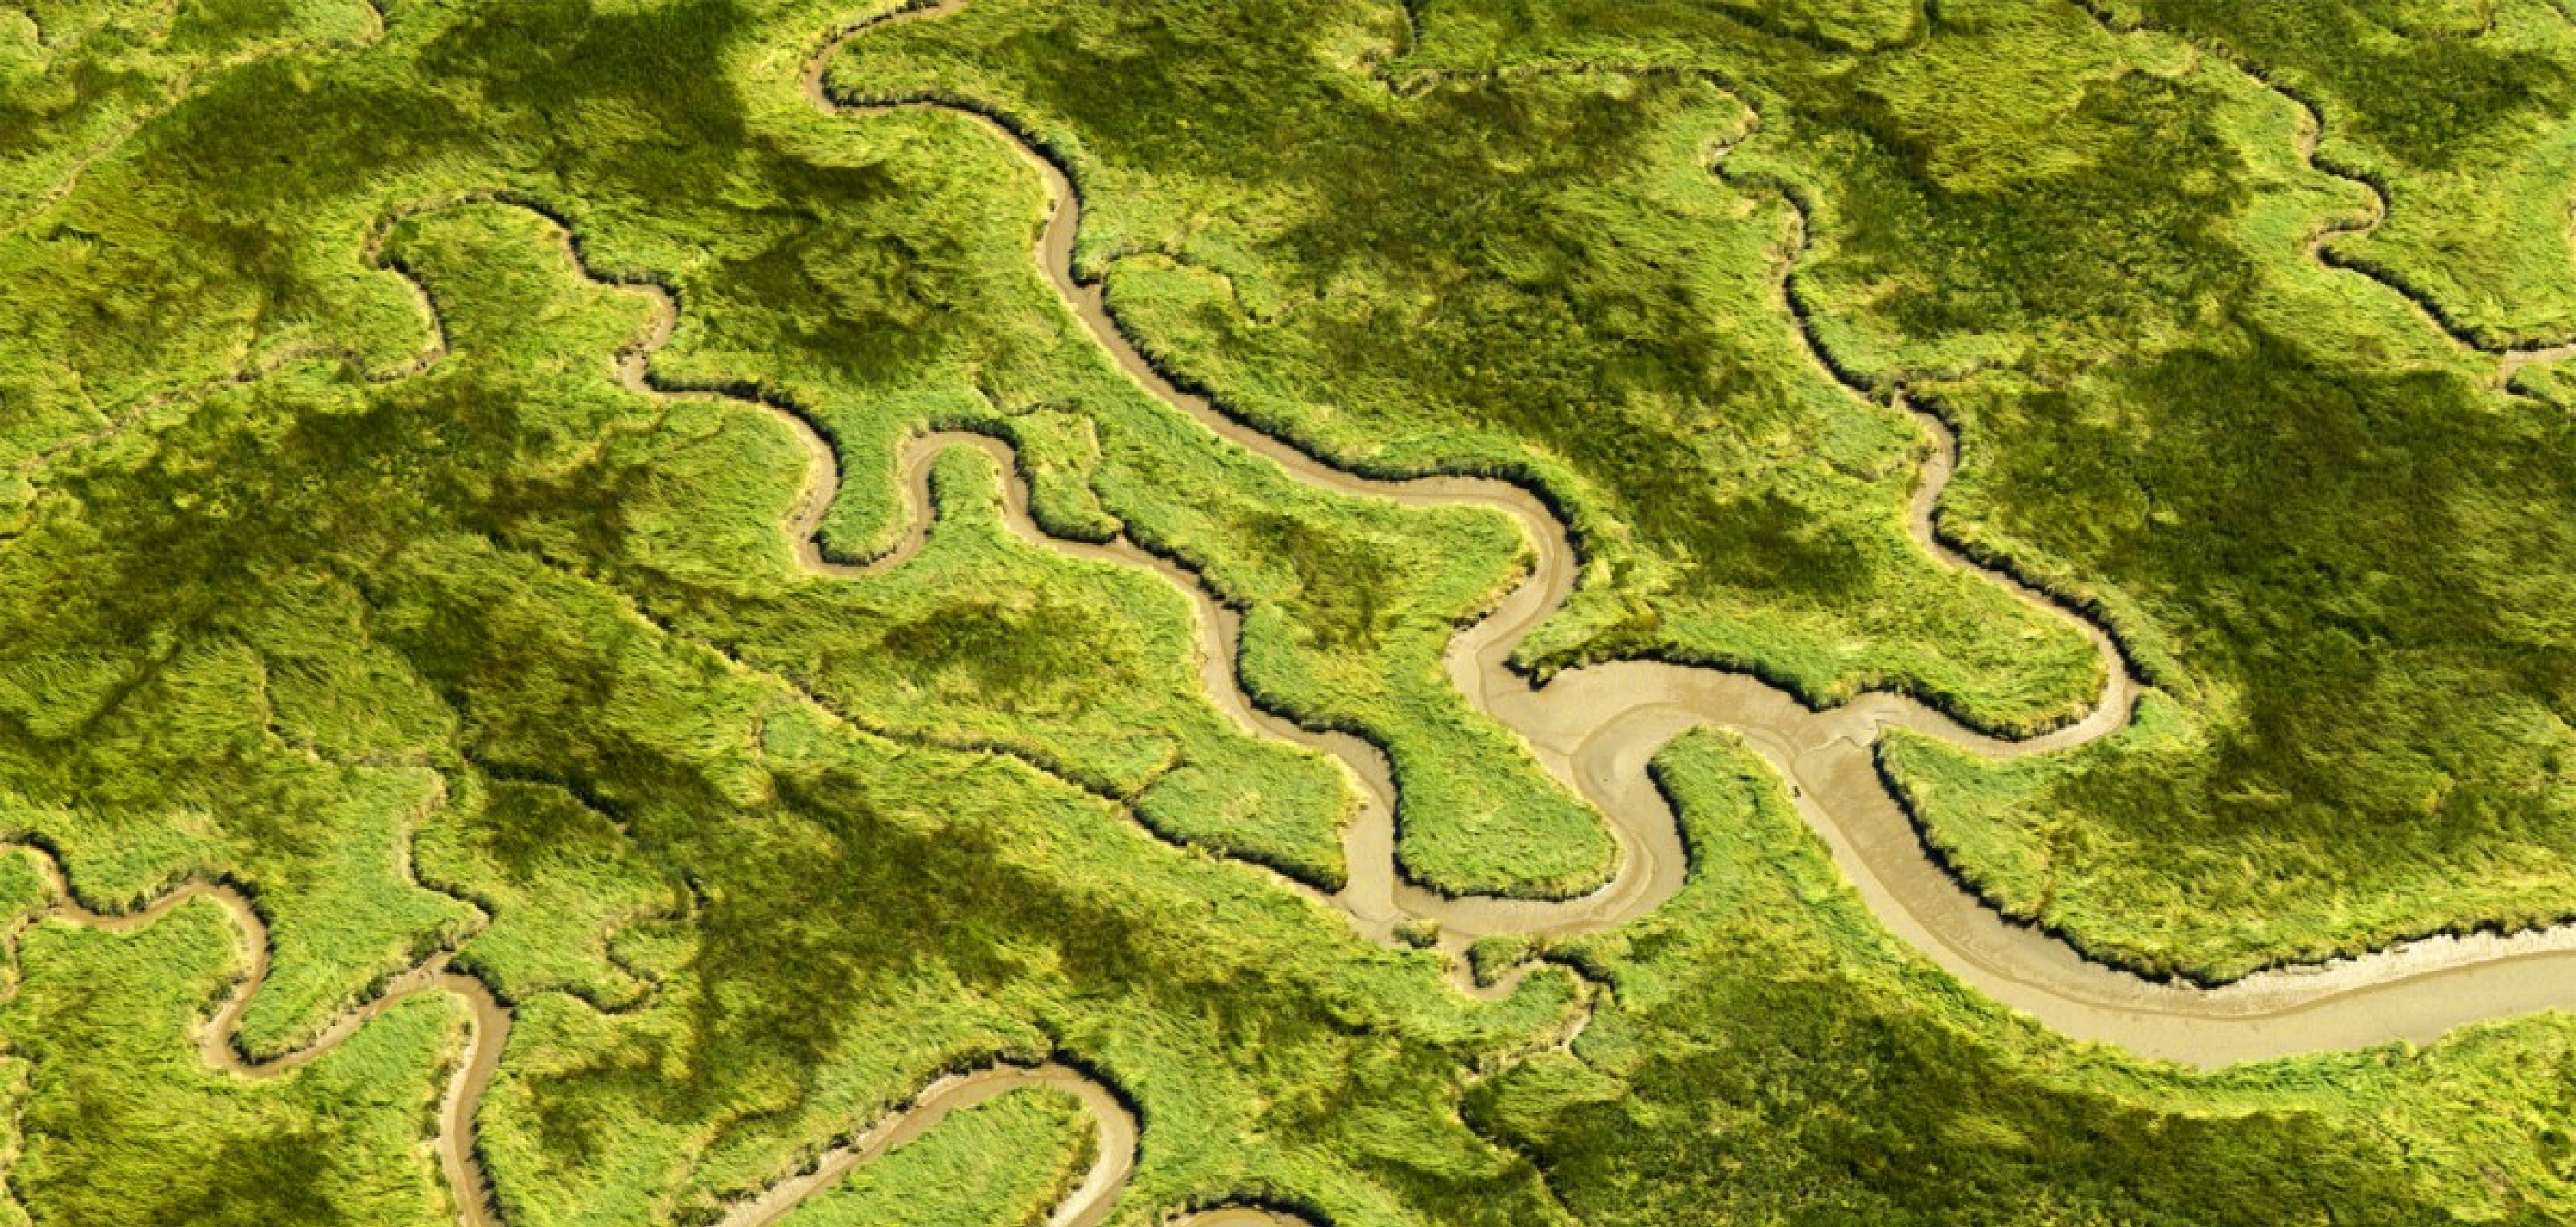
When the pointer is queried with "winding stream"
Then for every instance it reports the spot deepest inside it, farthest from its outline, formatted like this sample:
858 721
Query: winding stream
1594 728
489 1033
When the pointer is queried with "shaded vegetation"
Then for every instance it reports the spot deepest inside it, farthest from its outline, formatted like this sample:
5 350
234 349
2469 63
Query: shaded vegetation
341 566
2457 111
2309 513
110 1077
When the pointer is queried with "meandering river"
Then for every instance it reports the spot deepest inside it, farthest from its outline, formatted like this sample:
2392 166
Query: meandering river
1595 729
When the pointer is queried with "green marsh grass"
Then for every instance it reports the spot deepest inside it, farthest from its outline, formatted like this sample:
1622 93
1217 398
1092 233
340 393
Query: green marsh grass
497 656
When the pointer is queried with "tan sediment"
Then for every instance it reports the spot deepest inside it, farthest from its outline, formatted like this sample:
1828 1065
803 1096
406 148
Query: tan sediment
2510 362
1597 727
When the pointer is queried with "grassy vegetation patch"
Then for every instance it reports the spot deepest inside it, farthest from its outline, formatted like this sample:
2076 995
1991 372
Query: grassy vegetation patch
121 1122
2456 112
340 562
985 1166
1534 276
1767 1053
